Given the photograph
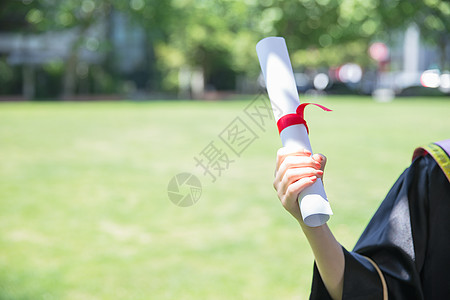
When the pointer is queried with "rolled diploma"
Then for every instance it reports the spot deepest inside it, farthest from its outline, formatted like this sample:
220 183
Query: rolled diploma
282 89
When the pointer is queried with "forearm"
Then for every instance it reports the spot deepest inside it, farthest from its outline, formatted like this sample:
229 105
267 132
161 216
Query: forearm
329 258
296 170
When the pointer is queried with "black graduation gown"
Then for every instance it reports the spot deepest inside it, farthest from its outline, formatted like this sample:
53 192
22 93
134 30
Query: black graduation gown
408 238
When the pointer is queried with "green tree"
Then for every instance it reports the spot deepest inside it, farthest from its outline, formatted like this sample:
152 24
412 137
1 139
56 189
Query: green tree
212 42
214 38
81 16
431 16
47 15
323 32
329 32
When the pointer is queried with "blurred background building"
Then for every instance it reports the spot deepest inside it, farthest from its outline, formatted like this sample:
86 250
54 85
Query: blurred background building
144 49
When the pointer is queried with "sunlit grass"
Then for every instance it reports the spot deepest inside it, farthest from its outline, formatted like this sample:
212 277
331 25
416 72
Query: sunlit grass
84 212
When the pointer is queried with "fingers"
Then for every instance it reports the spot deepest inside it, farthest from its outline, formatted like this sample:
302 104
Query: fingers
289 159
320 158
293 165
295 188
282 153
289 198
293 174
296 169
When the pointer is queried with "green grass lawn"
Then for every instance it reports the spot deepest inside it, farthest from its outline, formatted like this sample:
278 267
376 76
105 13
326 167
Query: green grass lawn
84 210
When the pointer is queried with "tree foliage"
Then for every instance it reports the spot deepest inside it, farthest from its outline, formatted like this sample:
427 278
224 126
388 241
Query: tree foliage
431 16
218 37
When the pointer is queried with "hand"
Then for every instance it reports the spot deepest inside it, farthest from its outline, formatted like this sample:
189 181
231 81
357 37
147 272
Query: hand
296 169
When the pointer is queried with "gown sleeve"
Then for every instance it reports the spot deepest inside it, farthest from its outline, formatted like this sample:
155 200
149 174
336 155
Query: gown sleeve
400 240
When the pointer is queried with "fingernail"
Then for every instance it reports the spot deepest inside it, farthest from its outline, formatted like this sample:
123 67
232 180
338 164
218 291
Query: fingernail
313 178
319 172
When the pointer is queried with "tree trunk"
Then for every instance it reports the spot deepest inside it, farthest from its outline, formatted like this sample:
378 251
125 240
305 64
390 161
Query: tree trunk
198 83
28 86
69 75
69 81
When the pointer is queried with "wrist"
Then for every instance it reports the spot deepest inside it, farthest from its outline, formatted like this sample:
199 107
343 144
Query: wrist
307 230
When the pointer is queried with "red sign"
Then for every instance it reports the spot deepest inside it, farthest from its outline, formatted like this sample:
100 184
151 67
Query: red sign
379 52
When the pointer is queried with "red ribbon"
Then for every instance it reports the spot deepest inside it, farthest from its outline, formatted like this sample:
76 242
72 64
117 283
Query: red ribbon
297 118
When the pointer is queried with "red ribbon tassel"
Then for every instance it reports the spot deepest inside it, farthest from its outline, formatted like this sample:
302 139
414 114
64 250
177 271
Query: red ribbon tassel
297 118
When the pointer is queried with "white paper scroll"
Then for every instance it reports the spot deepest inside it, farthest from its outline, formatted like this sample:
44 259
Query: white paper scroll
282 89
